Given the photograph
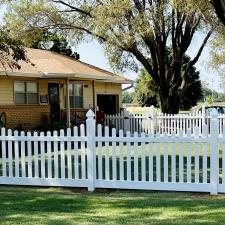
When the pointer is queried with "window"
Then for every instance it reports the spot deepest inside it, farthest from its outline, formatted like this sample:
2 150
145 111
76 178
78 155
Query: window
75 95
26 92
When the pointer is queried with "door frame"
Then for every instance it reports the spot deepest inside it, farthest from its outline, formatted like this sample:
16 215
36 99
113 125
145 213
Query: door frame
59 108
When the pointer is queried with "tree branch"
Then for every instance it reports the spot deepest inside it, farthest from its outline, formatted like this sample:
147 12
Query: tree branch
219 6
75 9
141 58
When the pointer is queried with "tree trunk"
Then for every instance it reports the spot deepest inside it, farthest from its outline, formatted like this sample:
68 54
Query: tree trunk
170 103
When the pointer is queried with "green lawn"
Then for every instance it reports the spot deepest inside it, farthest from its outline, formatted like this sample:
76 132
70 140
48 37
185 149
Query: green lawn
52 206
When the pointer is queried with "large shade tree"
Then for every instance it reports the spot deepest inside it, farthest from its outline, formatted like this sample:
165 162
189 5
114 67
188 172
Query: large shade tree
131 31
146 91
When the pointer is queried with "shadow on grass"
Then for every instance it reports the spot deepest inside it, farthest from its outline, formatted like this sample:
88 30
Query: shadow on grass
19 205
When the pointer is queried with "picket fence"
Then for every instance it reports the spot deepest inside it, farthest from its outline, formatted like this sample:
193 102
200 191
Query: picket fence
84 157
155 122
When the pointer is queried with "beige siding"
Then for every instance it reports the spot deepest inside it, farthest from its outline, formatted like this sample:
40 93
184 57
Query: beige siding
6 91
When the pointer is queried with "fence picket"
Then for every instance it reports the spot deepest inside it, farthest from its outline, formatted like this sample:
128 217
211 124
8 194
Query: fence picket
10 158
150 163
189 147
114 160
23 160
196 150
107 154
121 157
36 164
223 158
49 153
143 159
29 156
83 153
158 160
3 131
42 156
16 152
181 159
173 158
56 155
128 158
69 156
62 155
99 129
76 152
166 169
136 158
205 166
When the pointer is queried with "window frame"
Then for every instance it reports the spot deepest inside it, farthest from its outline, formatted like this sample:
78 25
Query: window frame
65 95
26 93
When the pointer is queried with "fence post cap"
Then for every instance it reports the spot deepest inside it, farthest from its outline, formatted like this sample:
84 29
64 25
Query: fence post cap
90 114
214 112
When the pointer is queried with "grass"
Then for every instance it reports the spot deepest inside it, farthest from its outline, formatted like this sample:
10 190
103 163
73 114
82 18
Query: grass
54 206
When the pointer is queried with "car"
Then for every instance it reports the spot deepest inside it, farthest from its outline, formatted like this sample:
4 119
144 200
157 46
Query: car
208 109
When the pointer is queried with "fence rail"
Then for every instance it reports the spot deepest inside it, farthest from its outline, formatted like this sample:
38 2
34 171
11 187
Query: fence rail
188 160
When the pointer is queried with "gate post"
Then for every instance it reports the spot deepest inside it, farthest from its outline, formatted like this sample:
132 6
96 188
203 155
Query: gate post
214 153
91 158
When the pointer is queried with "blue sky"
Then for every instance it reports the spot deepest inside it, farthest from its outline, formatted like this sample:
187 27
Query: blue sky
93 53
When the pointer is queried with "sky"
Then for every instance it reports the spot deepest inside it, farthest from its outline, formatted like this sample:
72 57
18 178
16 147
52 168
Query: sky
93 53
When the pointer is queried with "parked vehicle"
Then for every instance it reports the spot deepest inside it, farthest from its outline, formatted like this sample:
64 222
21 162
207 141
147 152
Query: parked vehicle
208 109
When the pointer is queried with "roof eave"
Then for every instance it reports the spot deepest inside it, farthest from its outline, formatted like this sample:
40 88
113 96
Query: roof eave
45 75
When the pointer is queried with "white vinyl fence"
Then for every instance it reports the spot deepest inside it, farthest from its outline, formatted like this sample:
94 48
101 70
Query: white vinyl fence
156 122
79 157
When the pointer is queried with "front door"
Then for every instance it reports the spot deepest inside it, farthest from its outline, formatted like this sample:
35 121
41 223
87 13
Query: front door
108 103
53 93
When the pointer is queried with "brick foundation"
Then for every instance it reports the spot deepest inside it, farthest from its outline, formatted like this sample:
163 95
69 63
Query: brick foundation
27 116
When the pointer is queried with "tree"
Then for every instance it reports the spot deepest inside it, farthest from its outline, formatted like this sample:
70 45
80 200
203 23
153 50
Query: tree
44 39
128 97
146 91
131 31
11 51
219 6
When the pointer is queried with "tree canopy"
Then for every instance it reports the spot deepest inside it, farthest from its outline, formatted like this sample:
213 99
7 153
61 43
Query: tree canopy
47 40
131 32
11 51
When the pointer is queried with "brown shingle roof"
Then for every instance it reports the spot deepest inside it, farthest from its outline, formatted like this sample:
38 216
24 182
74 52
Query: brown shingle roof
50 64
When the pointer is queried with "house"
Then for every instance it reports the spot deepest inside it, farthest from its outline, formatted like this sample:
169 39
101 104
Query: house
57 87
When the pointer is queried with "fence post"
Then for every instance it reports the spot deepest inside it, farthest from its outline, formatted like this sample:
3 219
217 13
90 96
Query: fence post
91 160
152 120
203 115
214 152
126 121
